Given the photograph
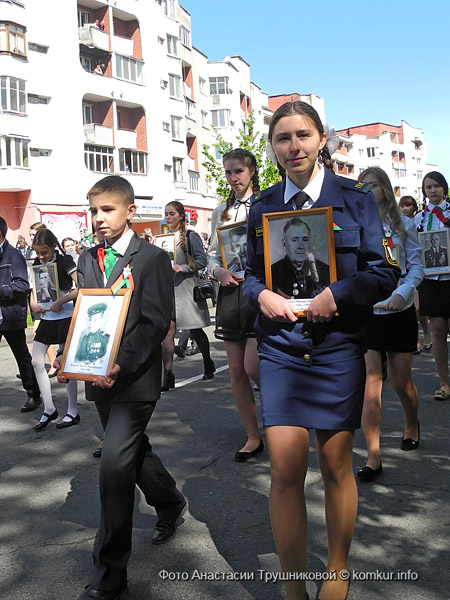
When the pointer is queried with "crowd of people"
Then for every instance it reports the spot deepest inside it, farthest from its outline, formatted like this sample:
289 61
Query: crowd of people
319 368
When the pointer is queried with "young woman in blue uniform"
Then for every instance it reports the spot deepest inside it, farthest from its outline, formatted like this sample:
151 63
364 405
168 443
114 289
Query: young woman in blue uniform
312 369
394 328
434 291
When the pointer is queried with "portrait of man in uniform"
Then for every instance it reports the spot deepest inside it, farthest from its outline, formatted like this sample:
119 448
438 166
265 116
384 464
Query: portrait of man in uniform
436 255
300 274
238 247
45 284
93 343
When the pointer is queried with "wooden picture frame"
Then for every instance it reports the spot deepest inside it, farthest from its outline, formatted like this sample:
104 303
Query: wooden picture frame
233 247
95 333
45 284
435 247
167 242
299 254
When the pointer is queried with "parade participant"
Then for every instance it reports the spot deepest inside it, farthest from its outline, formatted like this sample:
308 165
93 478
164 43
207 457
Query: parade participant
312 368
434 291
94 343
54 327
189 315
234 318
408 206
393 330
126 396
14 288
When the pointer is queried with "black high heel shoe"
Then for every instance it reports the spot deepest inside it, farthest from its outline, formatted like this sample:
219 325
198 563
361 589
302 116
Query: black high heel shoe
210 369
43 424
168 381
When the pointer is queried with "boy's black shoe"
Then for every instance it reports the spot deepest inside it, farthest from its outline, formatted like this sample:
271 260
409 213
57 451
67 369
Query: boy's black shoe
165 530
180 351
93 592
31 404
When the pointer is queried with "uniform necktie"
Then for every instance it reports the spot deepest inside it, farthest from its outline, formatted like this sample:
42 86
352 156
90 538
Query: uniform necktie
107 258
298 200
437 210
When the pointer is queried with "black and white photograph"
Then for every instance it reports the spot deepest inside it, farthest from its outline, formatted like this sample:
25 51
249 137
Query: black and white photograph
45 284
233 247
166 241
435 246
299 254
95 332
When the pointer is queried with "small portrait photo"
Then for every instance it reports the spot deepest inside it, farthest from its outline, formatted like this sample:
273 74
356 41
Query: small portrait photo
166 241
435 246
233 247
95 333
299 255
44 280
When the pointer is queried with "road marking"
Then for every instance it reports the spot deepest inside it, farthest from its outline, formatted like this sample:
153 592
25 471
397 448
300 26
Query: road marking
197 378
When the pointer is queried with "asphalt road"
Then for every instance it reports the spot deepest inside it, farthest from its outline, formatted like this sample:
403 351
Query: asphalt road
224 549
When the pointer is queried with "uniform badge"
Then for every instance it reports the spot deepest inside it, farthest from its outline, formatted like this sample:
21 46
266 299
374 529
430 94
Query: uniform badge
388 251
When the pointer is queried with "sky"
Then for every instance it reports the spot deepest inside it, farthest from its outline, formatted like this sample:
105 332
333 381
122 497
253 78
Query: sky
384 61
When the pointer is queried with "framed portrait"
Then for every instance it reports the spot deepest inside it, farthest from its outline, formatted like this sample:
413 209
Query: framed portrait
44 281
233 247
435 245
167 242
95 332
299 255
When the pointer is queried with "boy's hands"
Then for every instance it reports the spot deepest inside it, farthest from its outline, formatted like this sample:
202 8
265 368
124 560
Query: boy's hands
108 380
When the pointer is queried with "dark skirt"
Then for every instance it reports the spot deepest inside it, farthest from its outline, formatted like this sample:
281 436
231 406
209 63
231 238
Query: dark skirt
52 332
396 332
328 396
434 298
235 320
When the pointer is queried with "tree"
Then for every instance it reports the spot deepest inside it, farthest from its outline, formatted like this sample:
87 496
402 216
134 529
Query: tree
267 170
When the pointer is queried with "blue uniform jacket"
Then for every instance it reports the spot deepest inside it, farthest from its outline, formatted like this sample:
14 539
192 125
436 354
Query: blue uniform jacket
14 288
363 272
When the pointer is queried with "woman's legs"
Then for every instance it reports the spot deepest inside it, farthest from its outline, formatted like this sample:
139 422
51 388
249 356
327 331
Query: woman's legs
371 415
289 454
439 331
243 393
334 452
168 346
38 362
400 375
202 342
251 360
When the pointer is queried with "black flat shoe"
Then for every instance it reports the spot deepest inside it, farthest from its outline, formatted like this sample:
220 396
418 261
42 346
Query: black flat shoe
368 474
243 456
210 369
64 424
43 424
165 530
168 381
409 443
98 451
93 592
31 404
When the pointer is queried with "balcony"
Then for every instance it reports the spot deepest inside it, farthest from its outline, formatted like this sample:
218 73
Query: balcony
190 109
123 45
98 135
93 38
126 138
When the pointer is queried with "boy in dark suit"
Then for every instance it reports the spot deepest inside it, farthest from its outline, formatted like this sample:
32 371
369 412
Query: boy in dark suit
126 396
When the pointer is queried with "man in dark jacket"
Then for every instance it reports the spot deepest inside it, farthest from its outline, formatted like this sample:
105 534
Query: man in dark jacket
14 289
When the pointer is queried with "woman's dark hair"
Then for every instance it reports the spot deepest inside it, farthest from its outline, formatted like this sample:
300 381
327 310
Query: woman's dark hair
247 159
437 177
411 200
45 237
308 112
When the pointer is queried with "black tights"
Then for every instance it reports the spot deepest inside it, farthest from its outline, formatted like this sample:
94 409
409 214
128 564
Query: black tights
202 342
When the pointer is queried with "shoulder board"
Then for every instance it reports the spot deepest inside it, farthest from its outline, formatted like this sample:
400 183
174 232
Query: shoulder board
351 184
104 334
256 197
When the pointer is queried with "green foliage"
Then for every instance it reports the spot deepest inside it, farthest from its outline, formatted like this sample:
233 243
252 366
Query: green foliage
252 141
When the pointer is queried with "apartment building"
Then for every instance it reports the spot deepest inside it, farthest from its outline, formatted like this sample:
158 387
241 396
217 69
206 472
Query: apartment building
400 150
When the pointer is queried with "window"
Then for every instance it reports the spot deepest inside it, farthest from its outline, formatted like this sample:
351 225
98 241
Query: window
202 85
14 152
12 93
35 99
185 36
402 172
190 109
194 179
129 69
419 160
419 175
176 127
12 38
87 114
370 152
37 152
178 169
175 86
99 158
87 63
220 118
132 161
166 126
172 45
204 118
218 85
169 8
83 18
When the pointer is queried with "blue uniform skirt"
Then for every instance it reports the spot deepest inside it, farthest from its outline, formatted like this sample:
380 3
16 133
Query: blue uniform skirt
314 396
